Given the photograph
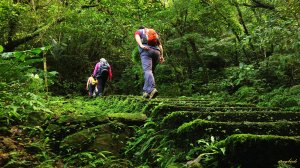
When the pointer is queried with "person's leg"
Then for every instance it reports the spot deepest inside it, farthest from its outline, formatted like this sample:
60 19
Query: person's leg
91 89
149 82
104 78
94 90
99 86
155 59
149 60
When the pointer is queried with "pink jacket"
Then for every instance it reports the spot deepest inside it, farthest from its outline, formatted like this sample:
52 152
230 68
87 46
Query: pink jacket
98 66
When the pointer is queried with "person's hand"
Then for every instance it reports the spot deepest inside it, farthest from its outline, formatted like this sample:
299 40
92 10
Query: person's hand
144 47
161 59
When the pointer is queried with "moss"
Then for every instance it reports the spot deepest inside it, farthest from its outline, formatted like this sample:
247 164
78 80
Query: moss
68 119
37 118
128 118
250 150
79 140
149 107
4 130
177 118
191 125
295 90
165 109
114 133
201 128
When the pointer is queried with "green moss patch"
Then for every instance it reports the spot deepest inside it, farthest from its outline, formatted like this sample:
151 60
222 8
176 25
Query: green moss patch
201 128
163 110
106 137
129 118
175 119
251 151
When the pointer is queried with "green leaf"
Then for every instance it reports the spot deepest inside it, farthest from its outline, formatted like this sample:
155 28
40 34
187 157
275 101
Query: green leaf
7 55
20 55
36 51
1 48
46 48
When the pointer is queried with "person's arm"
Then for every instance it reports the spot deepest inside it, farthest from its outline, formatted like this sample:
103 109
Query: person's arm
139 40
110 73
96 69
87 84
161 57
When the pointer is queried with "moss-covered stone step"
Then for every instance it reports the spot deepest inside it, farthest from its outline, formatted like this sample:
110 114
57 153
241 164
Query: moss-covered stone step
260 151
175 119
202 128
129 119
160 98
135 118
110 137
69 124
152 104
183 102
163 110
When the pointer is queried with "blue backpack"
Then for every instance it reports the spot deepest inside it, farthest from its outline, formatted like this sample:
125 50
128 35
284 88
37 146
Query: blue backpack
103 70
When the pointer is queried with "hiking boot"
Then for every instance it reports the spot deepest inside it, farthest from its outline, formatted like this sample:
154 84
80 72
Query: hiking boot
145 95
153 94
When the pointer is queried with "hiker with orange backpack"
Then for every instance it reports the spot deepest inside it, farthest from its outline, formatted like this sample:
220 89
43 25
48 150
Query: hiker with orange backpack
102 72
151 52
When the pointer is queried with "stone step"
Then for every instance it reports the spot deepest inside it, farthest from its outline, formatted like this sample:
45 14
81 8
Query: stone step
175 119
163 110
152 104
199 128
260 151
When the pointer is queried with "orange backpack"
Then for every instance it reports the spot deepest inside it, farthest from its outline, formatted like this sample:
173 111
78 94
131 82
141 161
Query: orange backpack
152 37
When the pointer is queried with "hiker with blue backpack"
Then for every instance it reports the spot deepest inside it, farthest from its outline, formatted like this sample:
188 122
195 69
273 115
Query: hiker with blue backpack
151 52
102 72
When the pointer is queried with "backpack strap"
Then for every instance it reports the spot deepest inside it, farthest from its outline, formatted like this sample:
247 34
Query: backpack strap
144 36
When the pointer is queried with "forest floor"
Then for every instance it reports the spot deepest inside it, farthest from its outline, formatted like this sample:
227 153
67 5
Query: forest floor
128 131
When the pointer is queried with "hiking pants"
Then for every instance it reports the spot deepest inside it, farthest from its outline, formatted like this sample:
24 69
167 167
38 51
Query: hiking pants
101 83
91 89
149 61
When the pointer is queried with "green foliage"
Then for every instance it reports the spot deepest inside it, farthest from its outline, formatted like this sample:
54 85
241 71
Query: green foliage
194 46
152 147
135 56
282 97
209 154
201 39
92 159
280 70
21 85
285 165
247 94
132 79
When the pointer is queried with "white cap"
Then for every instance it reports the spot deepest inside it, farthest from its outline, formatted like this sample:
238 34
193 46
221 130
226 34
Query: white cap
103 60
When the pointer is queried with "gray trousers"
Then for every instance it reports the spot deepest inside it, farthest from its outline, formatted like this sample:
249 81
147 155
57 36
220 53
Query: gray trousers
149 59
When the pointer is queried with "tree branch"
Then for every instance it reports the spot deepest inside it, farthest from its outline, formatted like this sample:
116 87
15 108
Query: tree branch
12 44
259 4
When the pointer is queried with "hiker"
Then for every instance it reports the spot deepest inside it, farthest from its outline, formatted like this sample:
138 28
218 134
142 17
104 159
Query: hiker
91 86
102 72
151 52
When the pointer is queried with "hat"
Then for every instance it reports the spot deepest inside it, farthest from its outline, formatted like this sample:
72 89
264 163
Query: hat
103 60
